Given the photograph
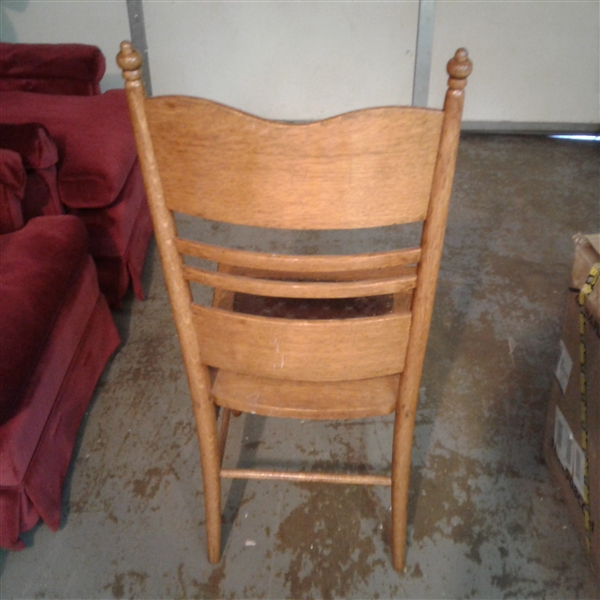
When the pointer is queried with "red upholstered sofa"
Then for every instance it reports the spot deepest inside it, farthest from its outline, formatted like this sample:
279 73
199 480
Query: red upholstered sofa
99 178
56 336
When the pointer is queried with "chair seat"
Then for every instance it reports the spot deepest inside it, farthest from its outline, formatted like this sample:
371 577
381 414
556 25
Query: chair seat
306 399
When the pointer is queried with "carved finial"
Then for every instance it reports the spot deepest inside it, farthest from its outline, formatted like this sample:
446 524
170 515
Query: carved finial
130 61
459 68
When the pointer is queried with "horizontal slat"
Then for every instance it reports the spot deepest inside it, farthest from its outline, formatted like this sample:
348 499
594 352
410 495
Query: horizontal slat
298 263
350 275
368 168
306 399
318 350
301 476
298 289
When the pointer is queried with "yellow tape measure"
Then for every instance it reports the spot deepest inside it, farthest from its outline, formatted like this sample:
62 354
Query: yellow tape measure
583 295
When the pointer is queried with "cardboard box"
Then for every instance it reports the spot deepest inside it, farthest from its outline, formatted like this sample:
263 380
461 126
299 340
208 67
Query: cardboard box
575 402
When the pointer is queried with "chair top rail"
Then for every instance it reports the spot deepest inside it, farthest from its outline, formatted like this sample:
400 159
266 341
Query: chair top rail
368 168
298 124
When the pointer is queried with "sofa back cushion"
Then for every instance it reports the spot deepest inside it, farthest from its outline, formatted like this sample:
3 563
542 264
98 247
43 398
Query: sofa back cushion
51 68
94 138
40 156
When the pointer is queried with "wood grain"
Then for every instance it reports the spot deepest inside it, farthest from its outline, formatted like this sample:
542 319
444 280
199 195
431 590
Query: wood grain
312 264
180 298
321 350
304 476
306 399
368 168
432 242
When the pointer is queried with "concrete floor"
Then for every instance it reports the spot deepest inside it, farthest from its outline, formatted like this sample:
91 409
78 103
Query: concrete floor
486 520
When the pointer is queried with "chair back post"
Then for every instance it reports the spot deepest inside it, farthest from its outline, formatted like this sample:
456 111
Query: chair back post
432 241
180 297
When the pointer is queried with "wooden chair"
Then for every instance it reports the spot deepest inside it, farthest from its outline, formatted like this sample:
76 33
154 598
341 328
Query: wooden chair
368 168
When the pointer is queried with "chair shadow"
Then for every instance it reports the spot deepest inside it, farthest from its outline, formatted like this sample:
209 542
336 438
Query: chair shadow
252 431
250 438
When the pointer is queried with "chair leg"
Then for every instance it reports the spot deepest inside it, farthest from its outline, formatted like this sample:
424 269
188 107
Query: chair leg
206 427
401 459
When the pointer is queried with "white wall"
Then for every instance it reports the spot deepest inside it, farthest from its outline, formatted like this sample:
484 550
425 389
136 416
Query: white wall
102 23
534 61
282 60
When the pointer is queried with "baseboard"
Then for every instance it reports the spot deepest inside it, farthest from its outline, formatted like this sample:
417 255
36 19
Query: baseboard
529 127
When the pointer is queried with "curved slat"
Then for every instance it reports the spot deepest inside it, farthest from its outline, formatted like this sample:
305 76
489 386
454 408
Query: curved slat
349 275
300 289
367 168
298 263
304 350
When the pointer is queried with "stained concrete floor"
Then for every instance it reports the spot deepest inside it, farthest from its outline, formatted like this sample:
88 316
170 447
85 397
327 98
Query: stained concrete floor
486 520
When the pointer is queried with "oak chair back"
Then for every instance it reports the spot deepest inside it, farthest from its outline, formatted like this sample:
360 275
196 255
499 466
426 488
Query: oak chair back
293 335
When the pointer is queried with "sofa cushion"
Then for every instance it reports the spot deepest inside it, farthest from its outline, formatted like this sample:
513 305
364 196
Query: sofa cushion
12 190
51 68
94 139
32 142
37 267
39 154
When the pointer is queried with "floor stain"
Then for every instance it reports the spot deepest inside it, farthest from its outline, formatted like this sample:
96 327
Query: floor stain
131 584
330 537
447 508
212 588
147 486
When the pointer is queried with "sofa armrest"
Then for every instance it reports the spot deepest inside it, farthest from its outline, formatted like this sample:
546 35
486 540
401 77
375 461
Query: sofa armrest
12 190
68 69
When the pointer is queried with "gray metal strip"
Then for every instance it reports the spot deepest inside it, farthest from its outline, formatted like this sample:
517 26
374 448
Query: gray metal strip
513 127
528 127
137 29
425 31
